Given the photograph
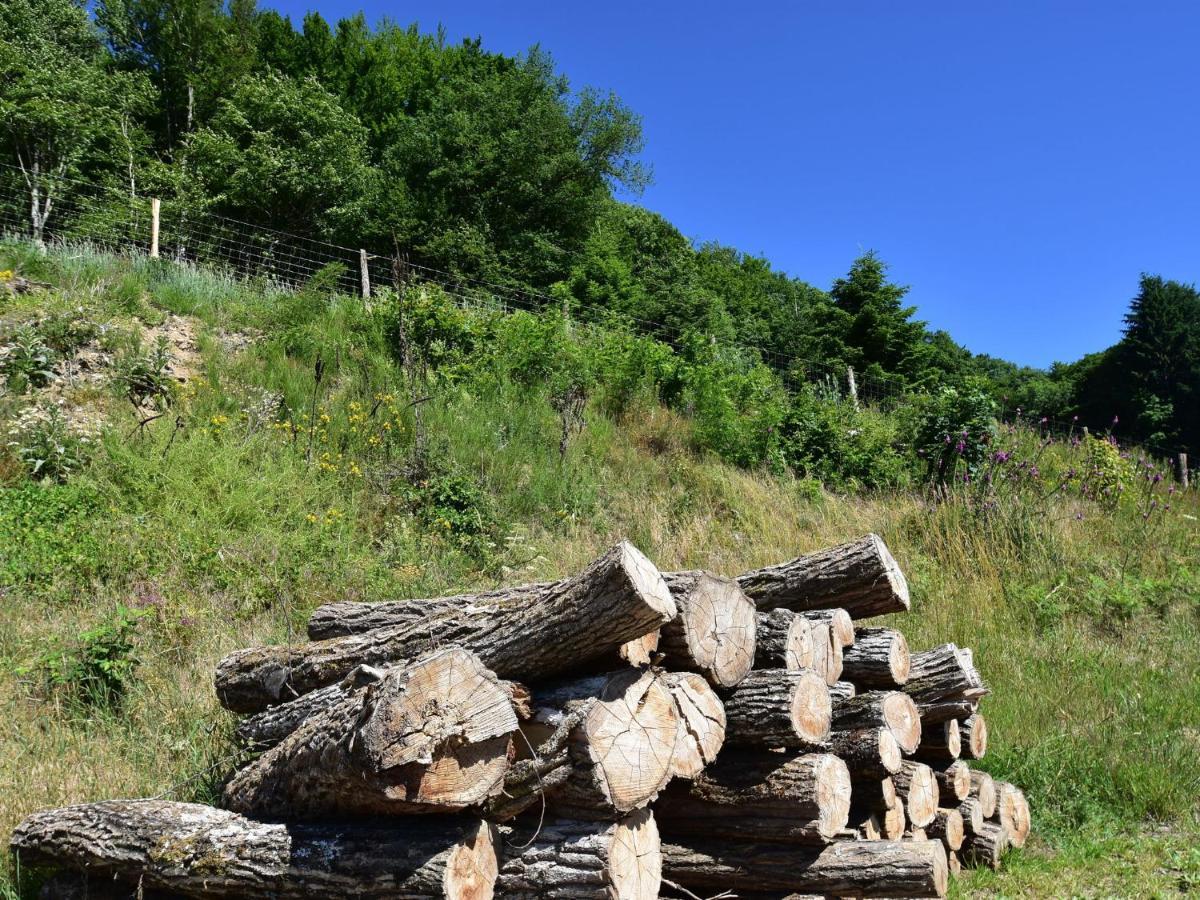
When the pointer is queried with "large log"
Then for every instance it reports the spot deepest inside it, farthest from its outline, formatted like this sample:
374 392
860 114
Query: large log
191 850
986 846
1012 811
433 736
583 860
947 827
775 708
983 789
954 781
917 786
943 677
701 723
941 742
846 868
784 641
893 710
558 629
975 737
878 658
761 795
714 630
860 577
868 752
841 626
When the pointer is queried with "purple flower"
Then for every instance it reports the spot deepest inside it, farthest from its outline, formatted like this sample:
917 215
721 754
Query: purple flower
1157 477
1044 420
960 446
1033 472
1000 456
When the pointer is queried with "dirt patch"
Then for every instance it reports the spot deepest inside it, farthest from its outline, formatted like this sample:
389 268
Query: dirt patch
179 333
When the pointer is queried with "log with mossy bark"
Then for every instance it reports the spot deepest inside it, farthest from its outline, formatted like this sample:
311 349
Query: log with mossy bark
582 860
784 641
878 658
432 736
1012 812
761 795
973 730
776 708
191 850
943 679
845 868
861 577
713 632
917 786
893 710
556 630
701 723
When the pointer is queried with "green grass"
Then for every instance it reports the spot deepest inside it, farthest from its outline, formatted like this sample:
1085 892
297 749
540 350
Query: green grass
225 530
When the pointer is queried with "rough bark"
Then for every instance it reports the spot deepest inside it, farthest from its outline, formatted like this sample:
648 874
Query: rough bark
971 811
940 711
841 626
1012 811
846 868
944 676
868 752
775 708
621 596
583 860
947 827
860 577
893 710
954 782
917 786
433 736
983 789
975 737
760 795
841 690
940 742
784 641
878 658
701 723
827 653
713 632
985 846
191 850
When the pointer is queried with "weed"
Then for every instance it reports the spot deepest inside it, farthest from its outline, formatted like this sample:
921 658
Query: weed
95 670
26 361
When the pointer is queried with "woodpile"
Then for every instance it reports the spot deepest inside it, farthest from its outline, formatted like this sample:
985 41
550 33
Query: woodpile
620 734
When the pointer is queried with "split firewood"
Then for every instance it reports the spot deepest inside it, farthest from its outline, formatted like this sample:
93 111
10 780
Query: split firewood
986 846
860 577
841 626
893 710
713 632
191 850
584 860
917 786
1012 811
433 736
784 641
560 628
760 795
775 708
701 723
975 737
878 658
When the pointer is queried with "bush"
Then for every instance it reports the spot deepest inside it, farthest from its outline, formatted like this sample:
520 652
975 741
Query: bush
829 439
737 412
956 424
46 534
96 669
143 375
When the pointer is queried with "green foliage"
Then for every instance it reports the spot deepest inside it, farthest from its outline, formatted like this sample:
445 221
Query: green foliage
954 425
454 507
48 444
46 535
142 375
1105 472
26 360
95 670
830 439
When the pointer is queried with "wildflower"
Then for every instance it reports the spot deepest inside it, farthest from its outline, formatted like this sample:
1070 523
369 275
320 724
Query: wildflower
960 446
311 518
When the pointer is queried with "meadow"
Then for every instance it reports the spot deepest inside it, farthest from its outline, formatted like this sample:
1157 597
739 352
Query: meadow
220 457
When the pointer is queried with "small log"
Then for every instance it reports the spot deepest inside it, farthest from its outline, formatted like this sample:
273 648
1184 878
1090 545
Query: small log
846 868
973 818
1012 811
983 789
841 690
860 577
191 850
868 752
947 827
940 742
827 653
893 710
557 629
265 729
775 708
954 782
760 795
986 846
433 736
945 676
876 809
585 860
917 786
784 641
701 722
954 863
841 626
940 711
878 658
916 834
975 737
713 632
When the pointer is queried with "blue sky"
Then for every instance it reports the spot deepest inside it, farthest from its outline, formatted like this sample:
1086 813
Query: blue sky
1017 164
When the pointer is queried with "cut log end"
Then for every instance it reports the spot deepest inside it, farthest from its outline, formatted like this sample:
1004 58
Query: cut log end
983 789
639 651
916 783
903 720
701 721
811 709
473 865
947 826
975 732
714 633
635 857
1013 811
647 582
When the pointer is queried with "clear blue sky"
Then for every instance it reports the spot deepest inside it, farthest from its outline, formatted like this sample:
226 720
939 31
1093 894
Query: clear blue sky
1017 164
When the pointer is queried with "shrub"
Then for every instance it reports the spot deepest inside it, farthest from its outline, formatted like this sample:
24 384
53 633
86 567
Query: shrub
1105 473
26 361
737 413
96 669
829 439
955 425
143 375
65 334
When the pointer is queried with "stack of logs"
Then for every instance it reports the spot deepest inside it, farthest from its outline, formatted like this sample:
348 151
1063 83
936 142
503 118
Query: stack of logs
612 735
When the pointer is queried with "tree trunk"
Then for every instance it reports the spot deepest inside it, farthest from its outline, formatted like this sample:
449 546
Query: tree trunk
944 675
619 597
841 690
192 850
974 730
784 641
430 737
701 721
713 631
877 659
940 743
954 782
947 827
983 789
583 860
1012 811
775 708
860 577
917 786
985 846
881 709
760 795
847 868
869 752
827 652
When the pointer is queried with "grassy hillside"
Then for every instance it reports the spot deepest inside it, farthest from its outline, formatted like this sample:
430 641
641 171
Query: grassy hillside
271 483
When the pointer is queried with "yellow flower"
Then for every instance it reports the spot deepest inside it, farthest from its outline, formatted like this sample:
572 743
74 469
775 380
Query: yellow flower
374 440
355 470
311 518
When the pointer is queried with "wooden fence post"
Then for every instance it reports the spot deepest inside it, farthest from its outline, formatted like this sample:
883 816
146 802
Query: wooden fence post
1183 471
364 268
853 385
155 210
